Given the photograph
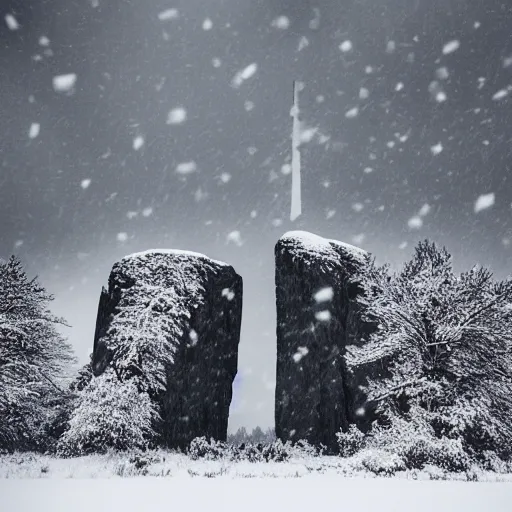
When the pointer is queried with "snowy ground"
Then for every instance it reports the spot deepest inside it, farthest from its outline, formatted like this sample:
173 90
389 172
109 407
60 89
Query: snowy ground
316 492
40 483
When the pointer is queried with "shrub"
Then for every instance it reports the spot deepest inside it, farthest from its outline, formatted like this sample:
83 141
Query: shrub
201 448
416 443
350 442
276 451
109 414
381 462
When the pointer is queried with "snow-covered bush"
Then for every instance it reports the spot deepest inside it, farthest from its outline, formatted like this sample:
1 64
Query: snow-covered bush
303 449
202 448
350 442
137 464
380 462
33 356
441 353
109 414
278 452
415 441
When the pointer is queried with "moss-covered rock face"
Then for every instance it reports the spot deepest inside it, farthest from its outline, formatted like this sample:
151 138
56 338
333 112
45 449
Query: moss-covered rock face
173 318
316 318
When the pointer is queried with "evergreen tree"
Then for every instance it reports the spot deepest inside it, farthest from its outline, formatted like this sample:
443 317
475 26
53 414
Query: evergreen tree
109 414
143 336
33 356
443 345
257 436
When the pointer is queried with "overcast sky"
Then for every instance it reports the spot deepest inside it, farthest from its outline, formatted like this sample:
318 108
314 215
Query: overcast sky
171 129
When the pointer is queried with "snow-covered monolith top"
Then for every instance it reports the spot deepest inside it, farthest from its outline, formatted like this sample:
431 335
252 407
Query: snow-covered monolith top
302 243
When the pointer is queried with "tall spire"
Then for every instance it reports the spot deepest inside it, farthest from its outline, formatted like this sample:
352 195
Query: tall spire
296 204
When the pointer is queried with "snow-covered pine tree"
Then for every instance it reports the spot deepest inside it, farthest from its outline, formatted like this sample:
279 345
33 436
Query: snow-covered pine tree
143 336
109 414
443 347
142 339
239 437
33 356
83 378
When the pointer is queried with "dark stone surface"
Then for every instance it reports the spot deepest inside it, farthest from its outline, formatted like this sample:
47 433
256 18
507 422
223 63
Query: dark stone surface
207 304
314 396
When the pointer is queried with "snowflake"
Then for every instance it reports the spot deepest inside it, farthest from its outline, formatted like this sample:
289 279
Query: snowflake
484 202
301 352
324 294
436 149
185 168
451 46
502 93
34 130
346 46
415 222
177 116
64 83
235 237
353 112
244 74
168 14
85 184
138 142
12 22
281 22
323 316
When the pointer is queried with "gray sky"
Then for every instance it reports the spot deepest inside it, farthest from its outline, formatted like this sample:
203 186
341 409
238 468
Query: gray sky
406 104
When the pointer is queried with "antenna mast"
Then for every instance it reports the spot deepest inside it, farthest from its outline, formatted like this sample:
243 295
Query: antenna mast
296 204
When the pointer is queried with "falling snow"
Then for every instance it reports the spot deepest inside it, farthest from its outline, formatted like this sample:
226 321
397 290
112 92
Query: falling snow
301 352
415 222
177 116
225 177
244 75
436 149
281 22
484 202
12 22
235 237
323 316
425 210
85 184
186 167
451 46
352 113
138 142
346 46
502 93
34 130
64 83
442 73
324 295
168 14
